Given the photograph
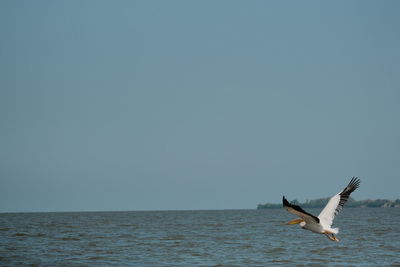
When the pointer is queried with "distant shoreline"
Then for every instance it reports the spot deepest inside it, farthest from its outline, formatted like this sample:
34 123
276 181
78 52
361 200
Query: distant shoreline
321 202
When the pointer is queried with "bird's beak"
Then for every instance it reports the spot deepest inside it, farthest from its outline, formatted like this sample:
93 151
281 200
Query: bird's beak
295 221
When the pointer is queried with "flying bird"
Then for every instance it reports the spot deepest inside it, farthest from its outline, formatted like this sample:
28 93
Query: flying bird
322 224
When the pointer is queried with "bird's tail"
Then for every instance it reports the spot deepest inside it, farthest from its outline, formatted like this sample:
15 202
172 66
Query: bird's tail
335 230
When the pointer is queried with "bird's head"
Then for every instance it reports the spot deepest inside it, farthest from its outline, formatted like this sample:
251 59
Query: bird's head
296 221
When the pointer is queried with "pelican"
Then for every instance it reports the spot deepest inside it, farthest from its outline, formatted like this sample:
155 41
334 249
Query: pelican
322 224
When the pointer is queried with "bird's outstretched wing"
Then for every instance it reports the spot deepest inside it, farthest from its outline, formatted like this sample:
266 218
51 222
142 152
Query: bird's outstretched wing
297 210
336 203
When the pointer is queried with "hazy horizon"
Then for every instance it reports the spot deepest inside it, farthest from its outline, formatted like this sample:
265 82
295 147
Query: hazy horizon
176 105
183 210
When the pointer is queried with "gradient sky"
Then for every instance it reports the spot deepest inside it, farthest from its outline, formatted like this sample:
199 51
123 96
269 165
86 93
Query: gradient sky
155 105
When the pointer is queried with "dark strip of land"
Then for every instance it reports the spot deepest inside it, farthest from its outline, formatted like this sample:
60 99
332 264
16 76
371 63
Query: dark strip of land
321 202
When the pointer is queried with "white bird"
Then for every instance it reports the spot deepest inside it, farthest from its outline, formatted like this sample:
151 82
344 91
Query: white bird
323 223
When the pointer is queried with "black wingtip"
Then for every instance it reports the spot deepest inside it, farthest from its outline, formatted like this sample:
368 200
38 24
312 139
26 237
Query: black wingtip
285 202
354 183
350 188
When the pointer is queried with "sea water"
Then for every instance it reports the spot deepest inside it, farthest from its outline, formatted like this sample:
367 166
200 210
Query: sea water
368 237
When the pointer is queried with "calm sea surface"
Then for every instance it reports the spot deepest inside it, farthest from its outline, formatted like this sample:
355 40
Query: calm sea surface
368 237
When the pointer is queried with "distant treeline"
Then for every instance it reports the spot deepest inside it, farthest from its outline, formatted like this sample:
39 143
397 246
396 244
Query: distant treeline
321 202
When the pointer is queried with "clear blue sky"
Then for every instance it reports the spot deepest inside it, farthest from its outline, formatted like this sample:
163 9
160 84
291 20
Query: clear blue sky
153 105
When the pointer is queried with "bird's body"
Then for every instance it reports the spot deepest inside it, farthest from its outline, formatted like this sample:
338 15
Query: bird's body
313 227
322 224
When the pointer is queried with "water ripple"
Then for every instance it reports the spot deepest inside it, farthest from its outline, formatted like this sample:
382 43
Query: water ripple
195 238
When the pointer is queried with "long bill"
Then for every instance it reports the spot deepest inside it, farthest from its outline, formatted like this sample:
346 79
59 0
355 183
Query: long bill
295 221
